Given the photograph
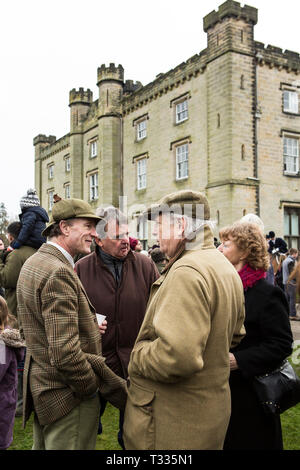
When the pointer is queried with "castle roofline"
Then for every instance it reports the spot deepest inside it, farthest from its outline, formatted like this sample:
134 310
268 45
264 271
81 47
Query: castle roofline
230 9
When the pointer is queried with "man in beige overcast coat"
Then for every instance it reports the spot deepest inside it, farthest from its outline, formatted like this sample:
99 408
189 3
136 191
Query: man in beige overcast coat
179 396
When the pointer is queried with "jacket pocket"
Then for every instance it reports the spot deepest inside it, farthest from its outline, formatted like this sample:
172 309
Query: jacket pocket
139 423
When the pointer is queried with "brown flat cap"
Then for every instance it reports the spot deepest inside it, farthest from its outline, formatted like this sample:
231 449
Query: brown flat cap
64 209
185 202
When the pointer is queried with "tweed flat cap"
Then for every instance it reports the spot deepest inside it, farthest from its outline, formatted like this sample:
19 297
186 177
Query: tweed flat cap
64 209
185 202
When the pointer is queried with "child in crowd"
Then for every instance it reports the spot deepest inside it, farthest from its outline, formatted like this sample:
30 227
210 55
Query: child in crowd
33 219
11 352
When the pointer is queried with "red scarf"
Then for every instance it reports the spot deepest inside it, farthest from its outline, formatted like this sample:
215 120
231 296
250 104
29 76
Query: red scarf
250 276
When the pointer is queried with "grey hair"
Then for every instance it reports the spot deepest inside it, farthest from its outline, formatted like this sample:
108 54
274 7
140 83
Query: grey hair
107 214
193 225
253 219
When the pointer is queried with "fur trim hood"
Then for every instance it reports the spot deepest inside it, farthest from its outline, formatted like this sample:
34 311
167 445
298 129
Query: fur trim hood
12 338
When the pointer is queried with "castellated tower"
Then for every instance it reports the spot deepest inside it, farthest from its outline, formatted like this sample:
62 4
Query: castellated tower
110 82
79 102
231 106
40 142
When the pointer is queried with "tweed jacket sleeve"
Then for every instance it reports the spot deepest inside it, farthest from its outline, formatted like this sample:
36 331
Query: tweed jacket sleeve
59 299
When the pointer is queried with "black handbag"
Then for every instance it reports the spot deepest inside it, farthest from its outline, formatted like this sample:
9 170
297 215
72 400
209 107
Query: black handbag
278 390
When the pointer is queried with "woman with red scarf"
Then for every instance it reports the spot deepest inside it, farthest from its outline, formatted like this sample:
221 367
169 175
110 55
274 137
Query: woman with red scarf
267 342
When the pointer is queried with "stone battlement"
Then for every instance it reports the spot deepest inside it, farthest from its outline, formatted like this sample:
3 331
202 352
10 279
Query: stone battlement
44 139
165 82
275 56
80 96
131 86
230 9
110 73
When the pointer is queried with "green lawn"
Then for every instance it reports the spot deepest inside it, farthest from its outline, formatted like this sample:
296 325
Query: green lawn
290 421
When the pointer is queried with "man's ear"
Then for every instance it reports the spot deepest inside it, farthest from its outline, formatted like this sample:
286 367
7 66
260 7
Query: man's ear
98 241
64 227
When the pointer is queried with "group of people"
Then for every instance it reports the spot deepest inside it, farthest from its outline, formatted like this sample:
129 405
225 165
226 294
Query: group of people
185 330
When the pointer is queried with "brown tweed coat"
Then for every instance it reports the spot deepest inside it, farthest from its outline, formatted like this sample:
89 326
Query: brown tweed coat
63 361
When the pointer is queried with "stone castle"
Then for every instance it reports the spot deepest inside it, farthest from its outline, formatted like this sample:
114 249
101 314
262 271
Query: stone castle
226 122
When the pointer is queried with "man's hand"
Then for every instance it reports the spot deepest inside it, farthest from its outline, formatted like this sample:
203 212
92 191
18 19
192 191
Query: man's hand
103 327
232 362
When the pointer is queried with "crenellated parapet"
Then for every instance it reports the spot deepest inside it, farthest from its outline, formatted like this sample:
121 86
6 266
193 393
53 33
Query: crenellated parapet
230 9
44 139
165 82
276 57
131 86
109 73
80 96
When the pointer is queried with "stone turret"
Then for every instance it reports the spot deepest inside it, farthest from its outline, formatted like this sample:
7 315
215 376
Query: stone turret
110 81
231 66
79 102
40 142
230 29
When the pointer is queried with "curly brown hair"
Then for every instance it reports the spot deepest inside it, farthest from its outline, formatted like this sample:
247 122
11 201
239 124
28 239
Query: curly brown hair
249 239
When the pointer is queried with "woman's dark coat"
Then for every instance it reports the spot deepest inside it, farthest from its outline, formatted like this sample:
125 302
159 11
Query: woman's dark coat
267 342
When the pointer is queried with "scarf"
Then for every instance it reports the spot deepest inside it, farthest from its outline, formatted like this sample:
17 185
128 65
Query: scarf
115 265
250 276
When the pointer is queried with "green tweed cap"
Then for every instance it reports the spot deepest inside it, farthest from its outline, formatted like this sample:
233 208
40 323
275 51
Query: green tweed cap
188 202
64 209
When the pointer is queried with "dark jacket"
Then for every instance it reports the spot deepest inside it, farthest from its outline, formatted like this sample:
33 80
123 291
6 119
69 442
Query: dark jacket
12 346
9 274
279 244
267 342
123 305
33 220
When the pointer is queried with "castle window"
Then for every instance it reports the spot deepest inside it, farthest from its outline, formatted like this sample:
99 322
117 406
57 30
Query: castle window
182 161
67 190
290 102
181 111
142 230
291 155
67 164
93 180
51 171
93 147
142 173
50 199
292 226
141 129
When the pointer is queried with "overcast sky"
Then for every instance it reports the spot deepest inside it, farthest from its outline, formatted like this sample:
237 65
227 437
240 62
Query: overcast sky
50 47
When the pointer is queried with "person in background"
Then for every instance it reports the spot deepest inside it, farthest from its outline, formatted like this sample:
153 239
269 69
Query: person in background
11 352
2 244
11 264
267 343
64 368
118 282
289 283
178 391
2 248
33 218
159 258
276 244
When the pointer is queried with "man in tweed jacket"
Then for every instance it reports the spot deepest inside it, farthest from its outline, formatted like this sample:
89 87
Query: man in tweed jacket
64 368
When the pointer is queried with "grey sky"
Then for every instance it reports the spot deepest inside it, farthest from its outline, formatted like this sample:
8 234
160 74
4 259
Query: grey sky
50 47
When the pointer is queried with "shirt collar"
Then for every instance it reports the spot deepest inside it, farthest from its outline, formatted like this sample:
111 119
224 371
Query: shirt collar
64 252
